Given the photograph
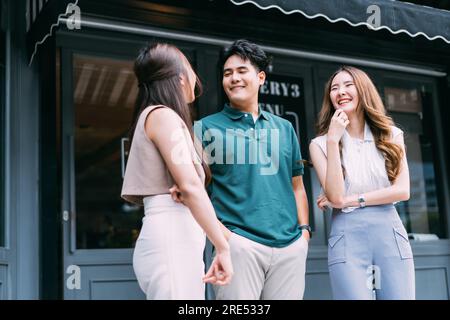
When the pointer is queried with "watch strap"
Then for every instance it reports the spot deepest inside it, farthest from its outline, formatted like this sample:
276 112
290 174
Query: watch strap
306 227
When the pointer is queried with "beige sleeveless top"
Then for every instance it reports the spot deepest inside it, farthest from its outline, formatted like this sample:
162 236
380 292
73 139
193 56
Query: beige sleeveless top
146 173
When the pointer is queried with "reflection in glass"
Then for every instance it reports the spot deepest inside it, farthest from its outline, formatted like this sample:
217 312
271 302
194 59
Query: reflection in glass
403 100
421 215
104 94
421 212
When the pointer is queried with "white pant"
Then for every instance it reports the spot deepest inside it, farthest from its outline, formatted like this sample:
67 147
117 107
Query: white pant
266 273
168 256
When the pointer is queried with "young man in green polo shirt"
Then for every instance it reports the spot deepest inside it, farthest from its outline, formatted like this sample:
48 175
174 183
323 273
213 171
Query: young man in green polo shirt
257 188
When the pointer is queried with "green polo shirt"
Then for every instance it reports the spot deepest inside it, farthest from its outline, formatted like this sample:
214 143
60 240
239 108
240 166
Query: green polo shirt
252 165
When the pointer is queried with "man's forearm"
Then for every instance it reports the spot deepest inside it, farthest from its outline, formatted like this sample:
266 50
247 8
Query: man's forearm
302 206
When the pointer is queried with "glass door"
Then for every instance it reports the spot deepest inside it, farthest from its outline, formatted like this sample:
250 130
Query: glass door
100 229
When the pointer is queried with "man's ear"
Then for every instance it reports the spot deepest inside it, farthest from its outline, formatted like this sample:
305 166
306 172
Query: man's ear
262 77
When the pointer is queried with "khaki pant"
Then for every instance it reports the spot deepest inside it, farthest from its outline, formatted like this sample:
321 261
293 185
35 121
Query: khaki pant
266 273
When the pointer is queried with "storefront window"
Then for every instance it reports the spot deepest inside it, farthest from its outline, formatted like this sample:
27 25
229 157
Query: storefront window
410 105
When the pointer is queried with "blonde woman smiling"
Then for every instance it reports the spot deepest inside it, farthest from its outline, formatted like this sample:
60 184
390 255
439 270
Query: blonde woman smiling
360 160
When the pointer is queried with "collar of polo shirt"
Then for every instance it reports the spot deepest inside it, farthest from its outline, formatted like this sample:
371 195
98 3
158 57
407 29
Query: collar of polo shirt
235 114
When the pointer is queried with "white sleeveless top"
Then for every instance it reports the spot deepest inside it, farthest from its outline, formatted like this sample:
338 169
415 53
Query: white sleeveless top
364 164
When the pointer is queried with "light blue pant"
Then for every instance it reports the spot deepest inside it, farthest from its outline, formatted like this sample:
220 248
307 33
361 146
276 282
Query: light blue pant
368 249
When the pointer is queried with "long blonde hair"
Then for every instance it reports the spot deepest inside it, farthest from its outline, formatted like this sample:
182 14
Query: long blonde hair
374 114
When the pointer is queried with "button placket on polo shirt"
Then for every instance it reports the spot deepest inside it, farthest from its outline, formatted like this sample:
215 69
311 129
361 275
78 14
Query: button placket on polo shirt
252 125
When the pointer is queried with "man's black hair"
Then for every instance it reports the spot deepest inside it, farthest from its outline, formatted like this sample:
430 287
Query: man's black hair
247 50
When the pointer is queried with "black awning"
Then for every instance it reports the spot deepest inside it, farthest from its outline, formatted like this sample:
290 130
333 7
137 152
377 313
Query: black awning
395 16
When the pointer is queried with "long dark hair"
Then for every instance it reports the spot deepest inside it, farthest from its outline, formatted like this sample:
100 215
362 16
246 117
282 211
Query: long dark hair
158 68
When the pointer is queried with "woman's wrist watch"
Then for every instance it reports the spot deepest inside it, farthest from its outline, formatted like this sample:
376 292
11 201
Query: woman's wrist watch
308 228
361 201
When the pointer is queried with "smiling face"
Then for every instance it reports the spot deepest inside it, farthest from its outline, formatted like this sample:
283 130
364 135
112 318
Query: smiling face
343 92
241 81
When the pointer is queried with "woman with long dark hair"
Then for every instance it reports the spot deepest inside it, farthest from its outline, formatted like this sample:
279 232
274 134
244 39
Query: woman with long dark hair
168 257
359 157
